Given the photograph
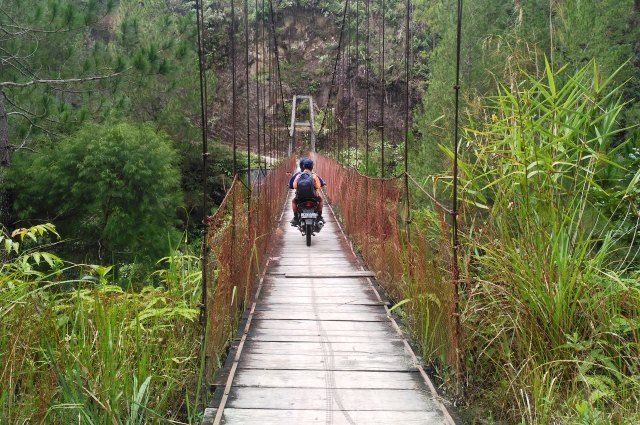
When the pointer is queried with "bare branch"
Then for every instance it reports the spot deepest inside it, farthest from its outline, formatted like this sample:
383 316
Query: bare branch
11 84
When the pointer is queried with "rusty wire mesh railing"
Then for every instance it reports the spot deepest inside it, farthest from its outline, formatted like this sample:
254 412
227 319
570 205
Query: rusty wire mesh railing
412 261
238 241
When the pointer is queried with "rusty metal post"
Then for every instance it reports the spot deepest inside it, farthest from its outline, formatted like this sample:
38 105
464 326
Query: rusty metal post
407 52
454 211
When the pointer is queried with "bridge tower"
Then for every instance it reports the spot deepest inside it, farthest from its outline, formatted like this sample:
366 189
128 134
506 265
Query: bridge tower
295 124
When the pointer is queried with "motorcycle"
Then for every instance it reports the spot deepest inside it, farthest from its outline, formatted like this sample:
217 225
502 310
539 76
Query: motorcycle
309 224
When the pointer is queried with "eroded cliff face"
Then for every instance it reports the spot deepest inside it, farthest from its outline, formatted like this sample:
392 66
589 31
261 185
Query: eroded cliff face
307 47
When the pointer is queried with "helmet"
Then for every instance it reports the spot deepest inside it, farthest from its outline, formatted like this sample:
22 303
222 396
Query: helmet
306 163
301 163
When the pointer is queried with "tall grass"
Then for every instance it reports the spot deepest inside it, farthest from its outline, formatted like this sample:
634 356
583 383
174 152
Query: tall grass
552 313
85 350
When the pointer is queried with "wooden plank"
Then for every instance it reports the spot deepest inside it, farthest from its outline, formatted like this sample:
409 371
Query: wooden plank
319 417
326 308
285 299
303 261
318 285
313 254
332 274
312 325
319 362
336 399
316 348
306 337
310 315
317 271
281 280
318 379
319 290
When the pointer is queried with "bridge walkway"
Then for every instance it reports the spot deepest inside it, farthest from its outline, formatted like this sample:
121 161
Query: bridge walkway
319 347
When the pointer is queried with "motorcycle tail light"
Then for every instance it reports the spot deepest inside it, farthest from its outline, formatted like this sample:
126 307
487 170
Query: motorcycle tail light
309 204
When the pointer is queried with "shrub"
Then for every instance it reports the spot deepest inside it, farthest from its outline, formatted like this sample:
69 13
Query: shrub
114 188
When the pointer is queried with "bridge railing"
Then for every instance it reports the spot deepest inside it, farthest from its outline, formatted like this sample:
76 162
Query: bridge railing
411 260
238 241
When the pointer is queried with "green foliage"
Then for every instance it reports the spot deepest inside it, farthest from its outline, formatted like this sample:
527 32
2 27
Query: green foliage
551 319
499 42
149 45
83 349
113 188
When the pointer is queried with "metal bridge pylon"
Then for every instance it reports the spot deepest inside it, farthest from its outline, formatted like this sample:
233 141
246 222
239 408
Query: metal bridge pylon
304 124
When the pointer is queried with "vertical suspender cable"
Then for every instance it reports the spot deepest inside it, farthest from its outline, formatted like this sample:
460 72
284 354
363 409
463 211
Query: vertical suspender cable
355 109
264 88
271 109
248 92
277 55
407 53
383 90
233 88
335 69
346 67
257 59
367 64
205 153
454 206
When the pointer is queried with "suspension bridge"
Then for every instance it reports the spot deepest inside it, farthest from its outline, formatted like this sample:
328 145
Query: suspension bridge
319 346
312 337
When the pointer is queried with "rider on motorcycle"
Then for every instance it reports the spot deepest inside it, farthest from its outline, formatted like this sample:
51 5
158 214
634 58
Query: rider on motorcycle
306 167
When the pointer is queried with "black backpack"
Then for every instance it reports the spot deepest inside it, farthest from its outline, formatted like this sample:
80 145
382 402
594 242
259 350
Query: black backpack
306 189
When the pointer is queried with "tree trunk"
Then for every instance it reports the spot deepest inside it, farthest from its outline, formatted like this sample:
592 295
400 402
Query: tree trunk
5 149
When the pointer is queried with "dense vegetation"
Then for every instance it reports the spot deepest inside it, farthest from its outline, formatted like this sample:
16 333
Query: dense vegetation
99 323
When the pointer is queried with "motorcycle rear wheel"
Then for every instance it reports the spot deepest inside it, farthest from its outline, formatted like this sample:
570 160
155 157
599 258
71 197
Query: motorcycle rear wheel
308 231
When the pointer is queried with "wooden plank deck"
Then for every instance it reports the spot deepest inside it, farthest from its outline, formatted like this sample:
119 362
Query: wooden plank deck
320 348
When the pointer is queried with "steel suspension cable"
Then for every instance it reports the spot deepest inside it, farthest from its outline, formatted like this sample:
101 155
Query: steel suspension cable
248 93
255 43
383 89
205 153
357 65
367 60
407 73
234 99
335 66
454 206
278 73
264 88
347 81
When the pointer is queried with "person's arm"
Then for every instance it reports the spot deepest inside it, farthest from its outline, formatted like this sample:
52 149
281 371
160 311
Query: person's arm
292 179
316 182
295 182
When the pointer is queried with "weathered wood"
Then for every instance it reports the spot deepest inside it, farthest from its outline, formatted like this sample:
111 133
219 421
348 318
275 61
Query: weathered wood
312 325
311 291
310 315
318 379
331 337
316 348
284 281
335 399
332 274
313 417
286 299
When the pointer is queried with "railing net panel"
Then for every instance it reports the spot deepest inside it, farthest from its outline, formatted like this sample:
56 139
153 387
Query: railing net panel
238 241
411 260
